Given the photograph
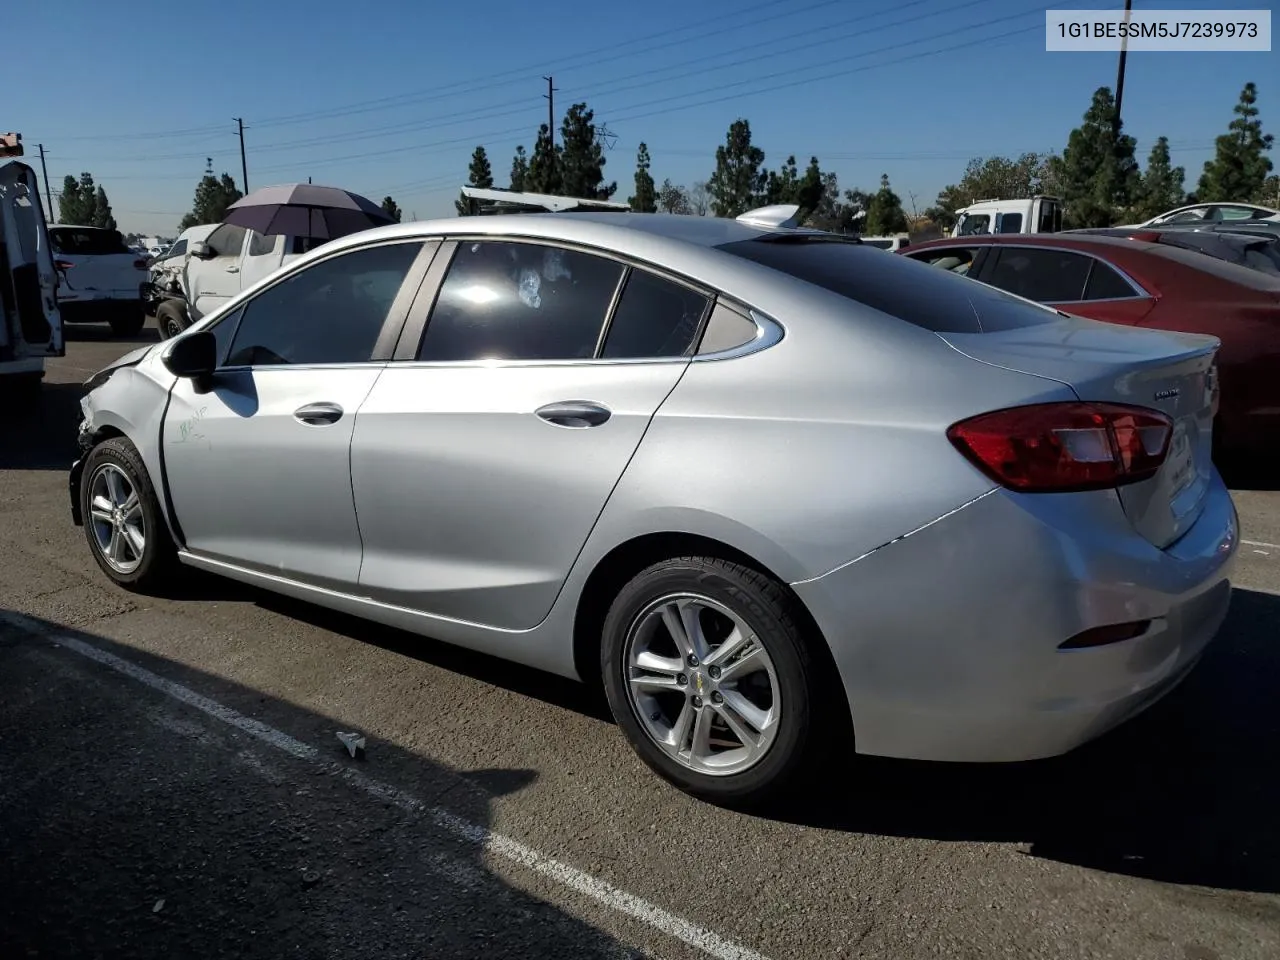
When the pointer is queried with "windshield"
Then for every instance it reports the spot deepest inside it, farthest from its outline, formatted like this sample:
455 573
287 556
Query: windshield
936 300
87 241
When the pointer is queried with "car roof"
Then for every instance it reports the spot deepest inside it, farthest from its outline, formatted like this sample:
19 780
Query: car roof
641 234
1037 239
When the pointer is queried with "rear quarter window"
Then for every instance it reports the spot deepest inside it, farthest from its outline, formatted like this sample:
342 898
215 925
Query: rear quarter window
916 293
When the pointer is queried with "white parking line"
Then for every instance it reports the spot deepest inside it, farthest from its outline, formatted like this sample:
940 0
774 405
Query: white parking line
1261 543
610 896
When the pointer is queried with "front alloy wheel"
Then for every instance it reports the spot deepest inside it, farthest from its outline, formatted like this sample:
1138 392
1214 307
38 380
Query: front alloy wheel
115 513
123 521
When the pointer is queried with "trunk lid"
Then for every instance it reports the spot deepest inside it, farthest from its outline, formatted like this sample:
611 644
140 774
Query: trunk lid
1165 371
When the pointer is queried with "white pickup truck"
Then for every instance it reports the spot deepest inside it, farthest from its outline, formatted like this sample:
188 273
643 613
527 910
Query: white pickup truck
215 269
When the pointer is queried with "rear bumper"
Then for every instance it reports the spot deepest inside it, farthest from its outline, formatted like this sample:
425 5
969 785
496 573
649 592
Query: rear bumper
947 641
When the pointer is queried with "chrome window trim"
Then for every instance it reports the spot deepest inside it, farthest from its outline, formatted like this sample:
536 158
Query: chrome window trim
768 333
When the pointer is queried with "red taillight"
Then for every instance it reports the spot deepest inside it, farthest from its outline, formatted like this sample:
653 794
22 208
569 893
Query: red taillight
63 264
140 264
1060 447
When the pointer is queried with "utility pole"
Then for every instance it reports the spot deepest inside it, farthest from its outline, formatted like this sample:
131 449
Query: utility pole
45 170
551 110
551 122
244 166
1124 56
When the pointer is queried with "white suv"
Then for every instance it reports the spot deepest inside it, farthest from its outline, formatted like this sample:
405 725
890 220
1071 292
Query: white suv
99 278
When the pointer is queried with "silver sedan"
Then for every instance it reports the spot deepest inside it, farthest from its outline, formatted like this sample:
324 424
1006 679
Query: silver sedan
770 488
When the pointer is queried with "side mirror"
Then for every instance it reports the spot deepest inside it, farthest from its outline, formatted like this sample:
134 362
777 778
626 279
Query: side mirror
200 250
193 356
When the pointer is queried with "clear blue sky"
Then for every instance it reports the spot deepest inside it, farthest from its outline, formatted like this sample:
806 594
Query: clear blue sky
392 96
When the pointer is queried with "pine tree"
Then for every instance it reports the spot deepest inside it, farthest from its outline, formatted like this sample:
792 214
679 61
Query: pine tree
582 159
102 210
1162 184
738 183
809 190
645 199
781 187
544 165
70 207
390 209
519 169
1240 166
213 196
479 174
1098 172
885 214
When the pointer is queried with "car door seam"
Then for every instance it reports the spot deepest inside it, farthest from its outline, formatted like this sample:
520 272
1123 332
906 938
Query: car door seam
573 566
351 468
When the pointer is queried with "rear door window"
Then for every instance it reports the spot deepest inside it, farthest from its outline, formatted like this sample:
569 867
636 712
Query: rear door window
504 300
1043 275
654 318
1106 284
933 299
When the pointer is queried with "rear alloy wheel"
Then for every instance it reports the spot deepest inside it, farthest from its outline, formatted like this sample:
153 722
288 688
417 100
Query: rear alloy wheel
127 533
709 676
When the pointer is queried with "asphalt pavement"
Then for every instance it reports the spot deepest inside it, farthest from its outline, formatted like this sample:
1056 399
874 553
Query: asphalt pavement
172 785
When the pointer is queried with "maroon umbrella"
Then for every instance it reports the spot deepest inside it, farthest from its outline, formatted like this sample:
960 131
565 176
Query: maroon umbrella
306 210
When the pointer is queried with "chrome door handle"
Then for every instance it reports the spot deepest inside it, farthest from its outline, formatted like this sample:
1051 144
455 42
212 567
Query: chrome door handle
318 414
233 269
574 413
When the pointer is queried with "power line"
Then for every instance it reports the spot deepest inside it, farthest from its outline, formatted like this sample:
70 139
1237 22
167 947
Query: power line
609 87
469 116
470 84
611 52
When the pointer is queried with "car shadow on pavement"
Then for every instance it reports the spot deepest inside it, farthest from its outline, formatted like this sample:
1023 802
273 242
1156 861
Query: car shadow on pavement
154 810
1186 793
101 333
42 435
526 681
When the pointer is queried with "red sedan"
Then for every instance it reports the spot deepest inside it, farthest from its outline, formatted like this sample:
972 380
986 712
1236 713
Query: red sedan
1137 281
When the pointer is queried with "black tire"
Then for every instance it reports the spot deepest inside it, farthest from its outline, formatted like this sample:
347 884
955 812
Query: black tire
767 609
158 564
128 324
172 319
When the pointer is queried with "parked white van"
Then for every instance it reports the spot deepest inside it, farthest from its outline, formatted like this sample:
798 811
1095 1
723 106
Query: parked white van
30 325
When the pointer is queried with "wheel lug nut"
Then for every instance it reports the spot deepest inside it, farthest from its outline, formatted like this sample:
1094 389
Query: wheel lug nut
697 701
716 697
693 661
715 673
682 680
